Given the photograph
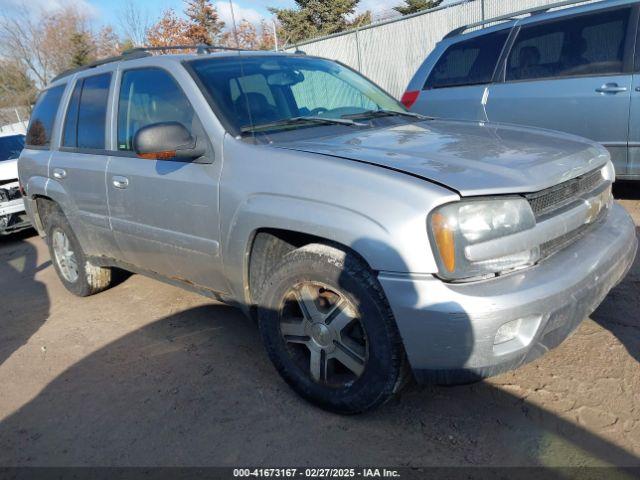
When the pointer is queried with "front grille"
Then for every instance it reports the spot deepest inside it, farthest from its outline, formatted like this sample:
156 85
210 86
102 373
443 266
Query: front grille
553 246
14 193
548 201
10 194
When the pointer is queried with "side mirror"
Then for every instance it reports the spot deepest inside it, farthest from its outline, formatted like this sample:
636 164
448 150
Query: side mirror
167 141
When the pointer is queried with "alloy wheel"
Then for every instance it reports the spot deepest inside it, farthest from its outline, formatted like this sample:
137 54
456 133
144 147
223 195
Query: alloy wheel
323 334
64 255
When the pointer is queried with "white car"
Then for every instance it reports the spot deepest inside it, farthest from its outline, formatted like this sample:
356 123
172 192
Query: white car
12 214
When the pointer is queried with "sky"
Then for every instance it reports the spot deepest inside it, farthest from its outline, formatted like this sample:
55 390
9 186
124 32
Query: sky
108 11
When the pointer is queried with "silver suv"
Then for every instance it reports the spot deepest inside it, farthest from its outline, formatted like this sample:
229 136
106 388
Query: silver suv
369 242
575 70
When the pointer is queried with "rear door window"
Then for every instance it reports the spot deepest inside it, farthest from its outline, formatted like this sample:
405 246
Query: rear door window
470 62
149 96
85 124
43 117
582 45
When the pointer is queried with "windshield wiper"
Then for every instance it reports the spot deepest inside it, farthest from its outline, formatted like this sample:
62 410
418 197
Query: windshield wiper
298 120
387 113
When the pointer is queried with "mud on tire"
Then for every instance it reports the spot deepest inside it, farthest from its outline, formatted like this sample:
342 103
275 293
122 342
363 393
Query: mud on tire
90 279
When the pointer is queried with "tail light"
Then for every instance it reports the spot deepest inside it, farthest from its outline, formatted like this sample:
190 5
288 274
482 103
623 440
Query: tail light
409 98
21 188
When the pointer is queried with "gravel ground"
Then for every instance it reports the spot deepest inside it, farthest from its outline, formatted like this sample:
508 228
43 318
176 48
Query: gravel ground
146 374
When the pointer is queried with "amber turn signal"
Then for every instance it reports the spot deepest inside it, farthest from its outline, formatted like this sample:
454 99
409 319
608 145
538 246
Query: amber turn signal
168 155
445 241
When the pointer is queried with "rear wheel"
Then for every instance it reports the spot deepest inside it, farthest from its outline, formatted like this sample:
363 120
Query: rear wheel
76 273
329 331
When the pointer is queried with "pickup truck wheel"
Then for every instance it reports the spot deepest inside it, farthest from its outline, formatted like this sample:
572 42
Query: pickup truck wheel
329 331
77 274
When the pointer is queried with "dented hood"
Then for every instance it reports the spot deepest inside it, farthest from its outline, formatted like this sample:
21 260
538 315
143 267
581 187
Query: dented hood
8 170
469 157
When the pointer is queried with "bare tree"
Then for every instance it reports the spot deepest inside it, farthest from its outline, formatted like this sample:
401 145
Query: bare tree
45 44
22 40
134 23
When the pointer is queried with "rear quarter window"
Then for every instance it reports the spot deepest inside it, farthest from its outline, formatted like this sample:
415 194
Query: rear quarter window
470 62
43 117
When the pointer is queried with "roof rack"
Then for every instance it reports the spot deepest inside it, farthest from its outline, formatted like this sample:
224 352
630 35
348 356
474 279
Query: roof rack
104 61
142 52
511 16
200 49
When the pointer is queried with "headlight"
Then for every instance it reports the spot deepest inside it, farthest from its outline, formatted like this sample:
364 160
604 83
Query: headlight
455 226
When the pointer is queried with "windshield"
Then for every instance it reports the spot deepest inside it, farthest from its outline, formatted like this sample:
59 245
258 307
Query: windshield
250 92
10 147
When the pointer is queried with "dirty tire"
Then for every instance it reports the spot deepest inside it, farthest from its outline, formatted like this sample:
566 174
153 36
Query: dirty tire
385 370
90 279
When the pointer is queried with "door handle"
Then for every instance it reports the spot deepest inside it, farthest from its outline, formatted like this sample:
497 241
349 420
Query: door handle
120 182
59 173
611 88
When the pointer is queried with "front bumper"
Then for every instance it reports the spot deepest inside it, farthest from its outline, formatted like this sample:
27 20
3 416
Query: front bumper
449 330
15 213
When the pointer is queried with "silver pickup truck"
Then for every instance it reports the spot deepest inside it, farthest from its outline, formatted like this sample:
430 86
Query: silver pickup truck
370 243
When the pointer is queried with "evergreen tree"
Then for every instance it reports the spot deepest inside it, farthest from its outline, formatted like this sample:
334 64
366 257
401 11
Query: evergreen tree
414 6
313 18
81 49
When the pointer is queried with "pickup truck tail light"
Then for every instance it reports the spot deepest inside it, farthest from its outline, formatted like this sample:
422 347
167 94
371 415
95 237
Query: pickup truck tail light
409 98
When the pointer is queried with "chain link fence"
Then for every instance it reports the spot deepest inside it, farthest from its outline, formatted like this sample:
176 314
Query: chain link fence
390 52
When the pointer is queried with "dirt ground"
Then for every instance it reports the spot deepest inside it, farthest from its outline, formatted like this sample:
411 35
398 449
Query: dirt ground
148 375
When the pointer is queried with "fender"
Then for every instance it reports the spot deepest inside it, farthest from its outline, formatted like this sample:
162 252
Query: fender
363 234
56 192
35 186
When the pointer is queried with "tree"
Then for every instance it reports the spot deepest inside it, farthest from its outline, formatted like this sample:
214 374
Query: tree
81 50
169 30
135 23
52 42
414 6
17 89
266 39
107 43
313 18
204 24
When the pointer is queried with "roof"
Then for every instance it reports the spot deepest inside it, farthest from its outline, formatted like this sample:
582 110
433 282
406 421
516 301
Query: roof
536 14
144 52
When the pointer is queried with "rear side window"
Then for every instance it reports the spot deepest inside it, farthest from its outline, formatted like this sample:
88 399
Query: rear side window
43 117
471 62
584 45
149 96
85 124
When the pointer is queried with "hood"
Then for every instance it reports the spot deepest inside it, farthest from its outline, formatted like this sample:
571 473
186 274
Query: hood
8 170
469 157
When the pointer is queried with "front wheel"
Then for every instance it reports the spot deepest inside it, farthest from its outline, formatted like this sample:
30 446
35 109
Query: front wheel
329 331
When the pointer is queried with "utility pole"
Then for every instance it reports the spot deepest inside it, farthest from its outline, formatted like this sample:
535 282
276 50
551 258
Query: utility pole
275 33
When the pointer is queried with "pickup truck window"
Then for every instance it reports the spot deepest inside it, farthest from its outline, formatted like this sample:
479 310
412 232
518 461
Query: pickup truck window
43 117
148 96
254 91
